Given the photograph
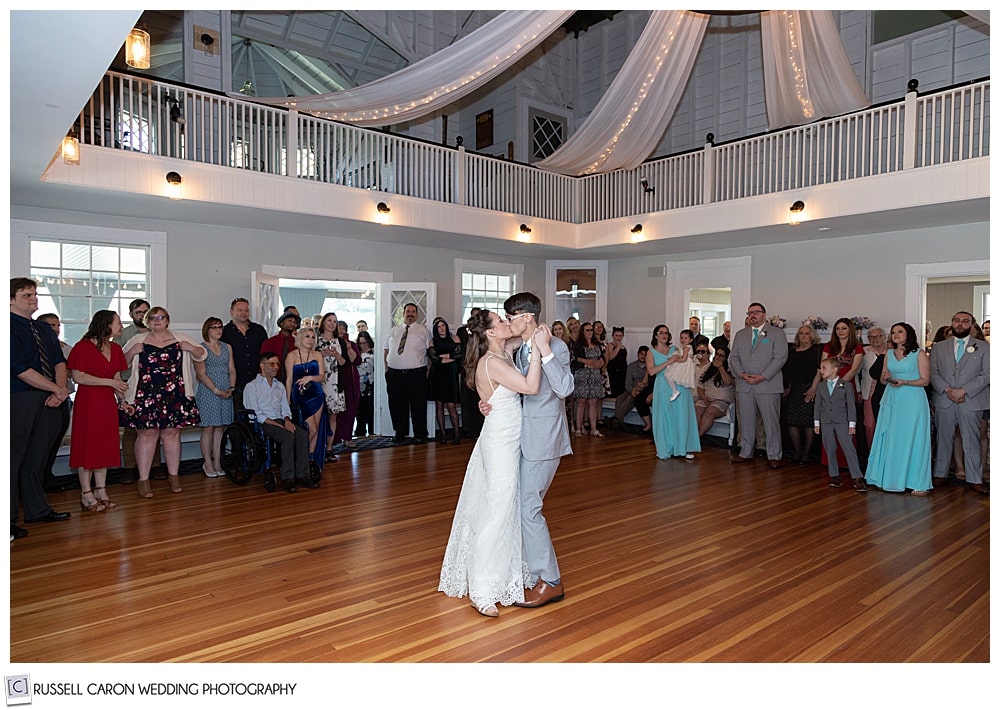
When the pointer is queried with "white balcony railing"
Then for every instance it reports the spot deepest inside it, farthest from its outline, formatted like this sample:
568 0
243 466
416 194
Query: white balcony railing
133 113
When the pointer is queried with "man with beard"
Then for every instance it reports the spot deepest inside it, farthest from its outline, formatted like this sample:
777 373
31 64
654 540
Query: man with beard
137 310
960 378
246 339
283 342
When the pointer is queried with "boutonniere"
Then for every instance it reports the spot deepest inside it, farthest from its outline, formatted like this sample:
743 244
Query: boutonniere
971 349
840 385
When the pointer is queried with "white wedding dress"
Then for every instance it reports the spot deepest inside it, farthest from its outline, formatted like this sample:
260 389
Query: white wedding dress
484 558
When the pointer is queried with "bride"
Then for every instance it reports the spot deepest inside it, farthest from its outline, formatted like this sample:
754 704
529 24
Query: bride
483 558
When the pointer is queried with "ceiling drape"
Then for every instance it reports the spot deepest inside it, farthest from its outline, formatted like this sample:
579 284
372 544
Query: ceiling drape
807 75
630 119
438 80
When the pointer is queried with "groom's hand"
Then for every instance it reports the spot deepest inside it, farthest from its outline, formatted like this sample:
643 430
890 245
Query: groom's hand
542 338
485 408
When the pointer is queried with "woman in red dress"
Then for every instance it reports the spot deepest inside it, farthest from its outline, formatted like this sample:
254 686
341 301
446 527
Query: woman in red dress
96 364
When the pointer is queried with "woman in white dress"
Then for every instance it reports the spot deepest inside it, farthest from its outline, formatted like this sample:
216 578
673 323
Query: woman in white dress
484 557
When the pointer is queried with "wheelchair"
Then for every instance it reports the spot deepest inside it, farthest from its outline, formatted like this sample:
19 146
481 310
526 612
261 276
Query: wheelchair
246 452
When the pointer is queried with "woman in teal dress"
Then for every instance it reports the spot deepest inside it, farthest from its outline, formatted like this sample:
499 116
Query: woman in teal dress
304 378
900 457
675 423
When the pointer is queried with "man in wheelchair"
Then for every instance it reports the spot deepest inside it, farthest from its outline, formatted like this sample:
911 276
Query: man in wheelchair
266 397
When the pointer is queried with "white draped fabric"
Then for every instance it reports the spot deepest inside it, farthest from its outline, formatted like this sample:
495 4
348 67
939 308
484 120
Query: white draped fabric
438 80
630 119
807 75
981 15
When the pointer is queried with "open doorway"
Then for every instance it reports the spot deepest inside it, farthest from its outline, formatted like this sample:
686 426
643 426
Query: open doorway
352 301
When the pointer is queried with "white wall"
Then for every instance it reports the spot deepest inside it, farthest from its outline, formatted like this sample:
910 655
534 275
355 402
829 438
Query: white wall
863 275
207 266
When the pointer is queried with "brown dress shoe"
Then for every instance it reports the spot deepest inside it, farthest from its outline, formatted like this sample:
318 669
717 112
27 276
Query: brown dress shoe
940 481
739 459
541 594
980 488
774 463
860 486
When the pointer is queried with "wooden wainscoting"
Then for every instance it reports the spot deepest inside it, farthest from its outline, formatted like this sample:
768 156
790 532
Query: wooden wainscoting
661 560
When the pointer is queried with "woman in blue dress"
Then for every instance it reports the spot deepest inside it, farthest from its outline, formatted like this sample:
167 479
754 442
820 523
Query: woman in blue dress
305 375
675 423
214 396
900 457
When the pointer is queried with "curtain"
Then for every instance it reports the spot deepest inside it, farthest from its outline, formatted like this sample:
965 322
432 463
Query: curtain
807 75
630 119
309 301
438 80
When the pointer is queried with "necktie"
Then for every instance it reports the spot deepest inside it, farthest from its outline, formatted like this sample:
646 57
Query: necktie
829 386
43 356
402 341
756 332
525 354
959 348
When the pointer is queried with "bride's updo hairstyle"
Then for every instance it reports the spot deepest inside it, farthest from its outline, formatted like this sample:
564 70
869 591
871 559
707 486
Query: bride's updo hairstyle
477 325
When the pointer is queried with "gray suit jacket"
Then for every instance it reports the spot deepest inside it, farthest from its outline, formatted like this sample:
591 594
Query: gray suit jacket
836 408
765 358
544 431
972 373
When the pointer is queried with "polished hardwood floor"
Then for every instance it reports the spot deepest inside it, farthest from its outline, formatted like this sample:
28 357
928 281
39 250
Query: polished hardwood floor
662 561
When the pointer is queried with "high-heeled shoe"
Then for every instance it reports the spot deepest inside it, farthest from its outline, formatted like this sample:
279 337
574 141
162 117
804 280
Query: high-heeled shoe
105 501
489 610
95 507
144 488
175 483
596 433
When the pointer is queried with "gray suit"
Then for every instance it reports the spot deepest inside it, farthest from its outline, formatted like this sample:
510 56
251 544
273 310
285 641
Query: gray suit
971 373
834 412
765 358
544 441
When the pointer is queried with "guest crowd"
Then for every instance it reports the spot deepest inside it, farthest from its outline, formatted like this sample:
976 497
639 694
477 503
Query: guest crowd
873 406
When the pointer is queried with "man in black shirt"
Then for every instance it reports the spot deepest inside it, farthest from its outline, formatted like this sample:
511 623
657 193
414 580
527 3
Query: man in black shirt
37 390
245 338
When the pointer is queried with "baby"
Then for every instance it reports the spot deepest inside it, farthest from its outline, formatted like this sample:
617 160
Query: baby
680 368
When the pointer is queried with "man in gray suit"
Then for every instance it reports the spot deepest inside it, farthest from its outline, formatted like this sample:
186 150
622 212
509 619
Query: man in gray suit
544 441
758 354
960 377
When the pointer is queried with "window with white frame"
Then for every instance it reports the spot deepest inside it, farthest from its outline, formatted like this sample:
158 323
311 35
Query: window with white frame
76 279
486 285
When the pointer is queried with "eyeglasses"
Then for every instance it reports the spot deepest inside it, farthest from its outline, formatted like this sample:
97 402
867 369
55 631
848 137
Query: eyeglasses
755 313
519 315
157 318
217 325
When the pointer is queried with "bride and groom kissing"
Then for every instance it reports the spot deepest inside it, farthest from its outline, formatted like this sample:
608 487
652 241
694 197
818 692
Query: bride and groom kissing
500 550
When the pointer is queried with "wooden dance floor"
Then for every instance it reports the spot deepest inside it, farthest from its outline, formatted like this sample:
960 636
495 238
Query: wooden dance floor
662 561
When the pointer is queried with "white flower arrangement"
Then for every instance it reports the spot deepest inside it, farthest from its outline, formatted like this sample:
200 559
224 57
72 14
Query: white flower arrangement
777 322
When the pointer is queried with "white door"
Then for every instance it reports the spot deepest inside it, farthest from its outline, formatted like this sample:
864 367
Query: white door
264 300
391 298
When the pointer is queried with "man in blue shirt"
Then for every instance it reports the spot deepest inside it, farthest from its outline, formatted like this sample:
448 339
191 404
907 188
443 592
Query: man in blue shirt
37 390
267 398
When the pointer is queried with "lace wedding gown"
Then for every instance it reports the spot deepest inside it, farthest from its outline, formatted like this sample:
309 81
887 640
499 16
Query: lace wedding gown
484 557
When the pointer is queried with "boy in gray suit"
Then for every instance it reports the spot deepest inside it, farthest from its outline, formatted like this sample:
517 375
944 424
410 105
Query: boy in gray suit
544 441
833 416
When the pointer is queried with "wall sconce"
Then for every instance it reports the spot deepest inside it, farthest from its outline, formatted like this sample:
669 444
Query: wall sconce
137 49
176 112
645 186
383 208
524 233
797 209
174 185
525 229
637 229
71 150
636 233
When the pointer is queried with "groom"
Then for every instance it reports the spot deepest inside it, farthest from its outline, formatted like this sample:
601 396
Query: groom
544 440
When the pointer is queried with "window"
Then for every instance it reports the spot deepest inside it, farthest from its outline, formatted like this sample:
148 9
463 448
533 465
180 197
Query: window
77 279
486 285
134 133
547 134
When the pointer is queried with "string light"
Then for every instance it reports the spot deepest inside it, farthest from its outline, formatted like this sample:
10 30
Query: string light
793 53
386 112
